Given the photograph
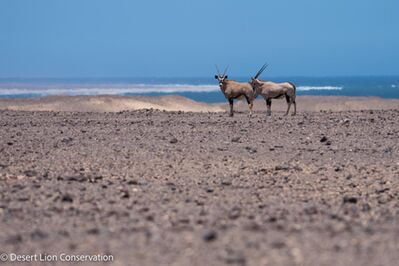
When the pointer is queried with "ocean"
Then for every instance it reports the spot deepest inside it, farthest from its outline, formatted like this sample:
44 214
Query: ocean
198 89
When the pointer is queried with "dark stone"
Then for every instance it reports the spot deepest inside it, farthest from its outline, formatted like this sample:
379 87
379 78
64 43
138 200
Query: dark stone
226 183
77 178
210 236
14 239
278 244
379 191
30 173
366 207
234 213
67 198
323 139
283 167
235 139
38 235
209 190
173 140
350 199
311 210
93 231
132 182
125 194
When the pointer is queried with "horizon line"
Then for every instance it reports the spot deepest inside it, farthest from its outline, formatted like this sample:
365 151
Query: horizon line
199 77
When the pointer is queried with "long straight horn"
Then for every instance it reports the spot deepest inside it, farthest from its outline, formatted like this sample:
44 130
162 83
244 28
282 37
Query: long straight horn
225 71
217 69
261 70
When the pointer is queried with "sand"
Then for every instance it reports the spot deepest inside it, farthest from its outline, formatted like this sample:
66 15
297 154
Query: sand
196 188
178 103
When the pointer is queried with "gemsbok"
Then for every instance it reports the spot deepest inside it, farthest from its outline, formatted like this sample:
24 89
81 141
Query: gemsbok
271 90
235 90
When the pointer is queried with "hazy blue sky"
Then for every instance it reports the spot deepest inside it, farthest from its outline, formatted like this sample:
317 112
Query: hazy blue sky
131 38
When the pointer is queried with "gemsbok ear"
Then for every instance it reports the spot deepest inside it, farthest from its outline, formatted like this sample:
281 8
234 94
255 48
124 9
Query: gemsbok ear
216 77
226 77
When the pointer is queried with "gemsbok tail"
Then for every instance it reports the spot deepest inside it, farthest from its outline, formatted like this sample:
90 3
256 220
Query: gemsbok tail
293 85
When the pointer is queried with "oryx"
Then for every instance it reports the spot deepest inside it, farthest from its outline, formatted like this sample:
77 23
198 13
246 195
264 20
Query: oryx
271 90
234 90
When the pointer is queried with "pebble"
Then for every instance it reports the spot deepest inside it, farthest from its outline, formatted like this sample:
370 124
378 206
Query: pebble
67 198
350 199
210 236
173 141
282 167
235 139
14 239
30 173
234 213
76 178
38 235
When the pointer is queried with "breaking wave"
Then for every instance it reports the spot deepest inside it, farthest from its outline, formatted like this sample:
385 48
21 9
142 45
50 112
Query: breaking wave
321 88
104 90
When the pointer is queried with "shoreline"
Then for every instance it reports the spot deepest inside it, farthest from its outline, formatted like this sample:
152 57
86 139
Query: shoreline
112 103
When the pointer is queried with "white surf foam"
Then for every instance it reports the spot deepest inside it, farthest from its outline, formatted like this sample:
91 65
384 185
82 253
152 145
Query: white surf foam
123 89
319 88
104 90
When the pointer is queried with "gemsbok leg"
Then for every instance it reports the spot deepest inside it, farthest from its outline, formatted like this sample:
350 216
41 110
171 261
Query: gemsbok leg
269 107
250 104
289 102
231 102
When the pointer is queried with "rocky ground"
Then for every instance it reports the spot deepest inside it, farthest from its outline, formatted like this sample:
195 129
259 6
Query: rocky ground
174 188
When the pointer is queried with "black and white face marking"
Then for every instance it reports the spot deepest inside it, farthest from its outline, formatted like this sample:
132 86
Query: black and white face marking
221 79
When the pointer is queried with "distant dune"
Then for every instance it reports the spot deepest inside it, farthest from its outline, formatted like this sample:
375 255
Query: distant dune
178 103
107 104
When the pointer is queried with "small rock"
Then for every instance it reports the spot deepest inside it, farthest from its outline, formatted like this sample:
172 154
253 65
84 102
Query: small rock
38 235
311 210
382 190
235 139
93 231
278 244
67 140
67 198
366 207
323 139
282 167
234 213
132 182
14 239
337 169
210 235
209 190
251 150
173 140
30 173
77 178
226 183
350 199
125 194
233 257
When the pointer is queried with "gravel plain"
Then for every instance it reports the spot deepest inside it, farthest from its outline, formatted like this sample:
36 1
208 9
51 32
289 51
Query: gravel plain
180 188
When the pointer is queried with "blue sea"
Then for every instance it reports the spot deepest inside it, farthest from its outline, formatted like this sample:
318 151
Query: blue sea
198 89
